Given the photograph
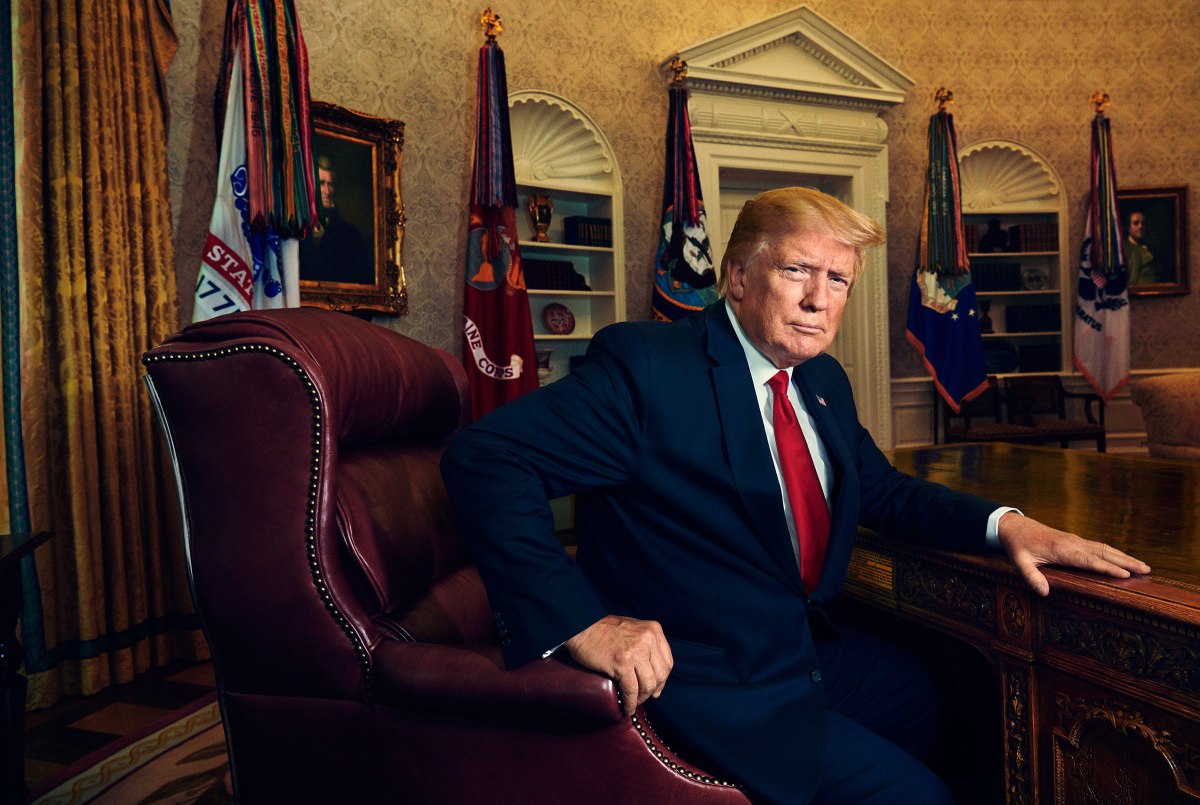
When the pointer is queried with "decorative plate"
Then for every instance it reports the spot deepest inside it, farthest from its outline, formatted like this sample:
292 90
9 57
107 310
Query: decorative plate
559 319
1034 279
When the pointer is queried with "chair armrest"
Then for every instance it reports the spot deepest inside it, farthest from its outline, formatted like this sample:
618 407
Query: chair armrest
1088 398
472 681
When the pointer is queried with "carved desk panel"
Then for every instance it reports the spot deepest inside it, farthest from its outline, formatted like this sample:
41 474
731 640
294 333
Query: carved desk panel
1100 681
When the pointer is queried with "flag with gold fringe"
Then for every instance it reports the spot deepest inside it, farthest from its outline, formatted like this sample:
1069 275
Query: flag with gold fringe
942 320
684 279
497 327
265 200
1102 306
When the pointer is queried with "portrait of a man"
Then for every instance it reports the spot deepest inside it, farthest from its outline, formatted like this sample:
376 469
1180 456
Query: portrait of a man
1143 268
1154 223
341 249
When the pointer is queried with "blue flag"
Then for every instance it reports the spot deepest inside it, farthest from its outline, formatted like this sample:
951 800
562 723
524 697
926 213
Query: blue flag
942 321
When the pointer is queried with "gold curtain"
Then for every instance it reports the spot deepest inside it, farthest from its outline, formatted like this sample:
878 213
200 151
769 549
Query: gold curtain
97 289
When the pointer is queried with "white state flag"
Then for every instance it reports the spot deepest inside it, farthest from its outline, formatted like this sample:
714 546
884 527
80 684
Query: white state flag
1101 323
240 269
1102 306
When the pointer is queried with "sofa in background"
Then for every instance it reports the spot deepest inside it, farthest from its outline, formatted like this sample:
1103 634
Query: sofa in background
1171 407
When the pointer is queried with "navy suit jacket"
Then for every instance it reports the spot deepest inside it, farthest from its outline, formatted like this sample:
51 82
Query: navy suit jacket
680 519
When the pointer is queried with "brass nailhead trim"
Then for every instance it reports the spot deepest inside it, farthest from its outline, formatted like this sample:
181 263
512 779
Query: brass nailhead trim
668 762
310 523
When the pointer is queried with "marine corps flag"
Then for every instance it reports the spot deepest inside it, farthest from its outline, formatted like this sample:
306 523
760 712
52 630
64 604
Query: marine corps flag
684 279
497 330
1102 307
942 322
265 198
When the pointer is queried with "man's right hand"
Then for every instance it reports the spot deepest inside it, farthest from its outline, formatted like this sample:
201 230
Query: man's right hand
634 653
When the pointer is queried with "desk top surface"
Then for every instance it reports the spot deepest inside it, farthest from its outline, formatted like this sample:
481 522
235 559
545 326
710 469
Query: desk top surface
1149 508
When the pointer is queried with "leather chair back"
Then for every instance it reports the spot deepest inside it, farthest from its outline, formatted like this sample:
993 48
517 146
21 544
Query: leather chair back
307 448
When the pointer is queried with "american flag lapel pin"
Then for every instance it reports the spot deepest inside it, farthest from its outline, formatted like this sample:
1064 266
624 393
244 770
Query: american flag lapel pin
821 400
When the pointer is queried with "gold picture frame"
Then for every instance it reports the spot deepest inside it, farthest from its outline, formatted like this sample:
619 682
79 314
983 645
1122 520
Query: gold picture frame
352 262
1157 253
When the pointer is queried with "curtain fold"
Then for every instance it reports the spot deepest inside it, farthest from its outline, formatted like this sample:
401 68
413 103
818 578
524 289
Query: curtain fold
108 597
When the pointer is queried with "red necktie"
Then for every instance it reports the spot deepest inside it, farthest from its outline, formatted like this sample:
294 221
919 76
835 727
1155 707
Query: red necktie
809 509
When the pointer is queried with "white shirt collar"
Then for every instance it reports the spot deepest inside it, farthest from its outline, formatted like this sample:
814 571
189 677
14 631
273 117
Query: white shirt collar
761 367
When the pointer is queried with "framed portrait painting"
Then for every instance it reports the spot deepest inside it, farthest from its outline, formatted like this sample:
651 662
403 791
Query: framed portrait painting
352 260
1154 220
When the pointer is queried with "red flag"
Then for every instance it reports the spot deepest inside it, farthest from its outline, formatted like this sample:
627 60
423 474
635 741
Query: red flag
497 329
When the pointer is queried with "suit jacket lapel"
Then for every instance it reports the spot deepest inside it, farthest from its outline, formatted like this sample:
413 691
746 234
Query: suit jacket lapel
843 518
746 444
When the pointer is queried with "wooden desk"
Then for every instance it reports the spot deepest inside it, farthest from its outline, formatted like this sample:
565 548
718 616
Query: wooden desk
1100 681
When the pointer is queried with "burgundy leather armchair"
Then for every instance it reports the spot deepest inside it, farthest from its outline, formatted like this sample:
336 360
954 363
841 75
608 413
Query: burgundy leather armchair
355 653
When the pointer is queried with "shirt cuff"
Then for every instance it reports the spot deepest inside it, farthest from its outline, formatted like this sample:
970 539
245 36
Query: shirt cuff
993 526
546 654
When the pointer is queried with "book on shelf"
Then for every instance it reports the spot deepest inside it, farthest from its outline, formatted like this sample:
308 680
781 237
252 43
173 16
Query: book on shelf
995 276
1028 237
581 230
1035 237
1033 318
1038 357
552 275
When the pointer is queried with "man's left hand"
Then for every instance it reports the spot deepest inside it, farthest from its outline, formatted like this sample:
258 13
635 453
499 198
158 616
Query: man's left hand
1031 544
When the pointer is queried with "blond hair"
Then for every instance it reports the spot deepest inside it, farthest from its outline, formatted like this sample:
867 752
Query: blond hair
776 213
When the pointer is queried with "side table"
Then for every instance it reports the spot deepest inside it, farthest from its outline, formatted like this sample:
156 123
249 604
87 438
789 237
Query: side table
12 685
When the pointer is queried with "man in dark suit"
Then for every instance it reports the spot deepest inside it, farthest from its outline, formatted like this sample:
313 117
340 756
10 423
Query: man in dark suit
707 549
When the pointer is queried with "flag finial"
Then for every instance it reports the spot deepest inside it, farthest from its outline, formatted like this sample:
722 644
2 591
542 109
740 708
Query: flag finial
1101 101
679 70
944 97
491 24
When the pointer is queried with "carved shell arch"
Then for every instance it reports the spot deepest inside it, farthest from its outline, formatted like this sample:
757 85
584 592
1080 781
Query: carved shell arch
1006 176
557 143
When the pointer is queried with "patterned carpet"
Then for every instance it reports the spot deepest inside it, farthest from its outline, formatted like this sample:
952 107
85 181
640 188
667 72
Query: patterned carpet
156 739
178 760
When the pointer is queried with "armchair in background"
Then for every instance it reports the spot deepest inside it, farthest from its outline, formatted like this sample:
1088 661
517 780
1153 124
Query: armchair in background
354 648
982 420
1171 407
1040 402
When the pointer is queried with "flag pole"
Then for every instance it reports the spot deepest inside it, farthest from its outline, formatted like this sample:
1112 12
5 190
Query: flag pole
943 325
1102 352
492 26
685 280
943 97
498 347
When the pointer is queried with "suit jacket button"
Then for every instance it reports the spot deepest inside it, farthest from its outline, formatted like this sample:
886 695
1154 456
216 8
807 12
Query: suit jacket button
815 676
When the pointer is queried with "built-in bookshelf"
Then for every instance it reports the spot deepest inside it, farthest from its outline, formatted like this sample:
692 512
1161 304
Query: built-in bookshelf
565 164
1014 215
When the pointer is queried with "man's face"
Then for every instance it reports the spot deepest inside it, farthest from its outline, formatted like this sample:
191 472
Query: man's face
327 180
1137 226
791 298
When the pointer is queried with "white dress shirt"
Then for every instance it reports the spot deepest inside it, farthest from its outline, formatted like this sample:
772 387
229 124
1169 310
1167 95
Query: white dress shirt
762 370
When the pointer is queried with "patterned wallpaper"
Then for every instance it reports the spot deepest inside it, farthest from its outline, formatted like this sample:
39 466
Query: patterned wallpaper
1021 70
